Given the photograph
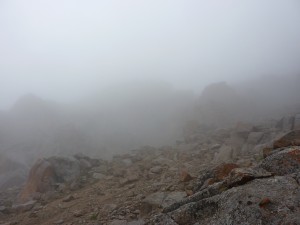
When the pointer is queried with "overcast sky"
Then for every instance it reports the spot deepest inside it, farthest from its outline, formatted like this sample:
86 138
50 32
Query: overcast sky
60 49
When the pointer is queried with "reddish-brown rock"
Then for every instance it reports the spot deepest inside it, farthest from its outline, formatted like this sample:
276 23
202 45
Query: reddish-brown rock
223 170
39 180
264 202
185 176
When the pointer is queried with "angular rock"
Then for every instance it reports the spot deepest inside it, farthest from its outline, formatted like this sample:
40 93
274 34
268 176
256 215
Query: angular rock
214 175
290 139
41 178
225 154
25 207
253 139
240 205
240 176
68 198
283 162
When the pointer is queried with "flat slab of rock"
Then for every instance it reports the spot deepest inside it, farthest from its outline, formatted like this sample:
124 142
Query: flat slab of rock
243 205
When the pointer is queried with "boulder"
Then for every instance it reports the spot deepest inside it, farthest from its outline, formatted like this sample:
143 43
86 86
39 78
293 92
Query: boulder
41 179
242 205
66 169
283 162
290 139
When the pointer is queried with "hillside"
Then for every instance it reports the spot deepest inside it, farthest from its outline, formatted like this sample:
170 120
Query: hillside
246 174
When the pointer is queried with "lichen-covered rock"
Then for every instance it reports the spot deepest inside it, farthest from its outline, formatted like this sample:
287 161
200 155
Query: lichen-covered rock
240 176
283 162
214 175
241 205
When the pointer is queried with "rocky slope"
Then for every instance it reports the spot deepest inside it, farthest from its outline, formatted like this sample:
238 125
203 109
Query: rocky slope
248 174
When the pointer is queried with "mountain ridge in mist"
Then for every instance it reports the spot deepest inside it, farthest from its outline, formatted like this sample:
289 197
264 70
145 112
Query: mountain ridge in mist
130 117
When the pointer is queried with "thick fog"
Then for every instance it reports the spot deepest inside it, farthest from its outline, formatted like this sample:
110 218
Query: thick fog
63 49
104 77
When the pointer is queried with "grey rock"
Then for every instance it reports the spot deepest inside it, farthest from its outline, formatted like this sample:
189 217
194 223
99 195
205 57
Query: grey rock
156 169
225 154
241 205
283 162
59 222
23 207
68 198
66 169
98 176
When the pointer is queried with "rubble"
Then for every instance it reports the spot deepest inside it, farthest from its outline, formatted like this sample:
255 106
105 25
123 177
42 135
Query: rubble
224 178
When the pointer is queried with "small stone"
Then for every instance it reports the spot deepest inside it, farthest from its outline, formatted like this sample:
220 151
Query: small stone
123 182
78 213
59 222
68 198
136 211
156 169
185 176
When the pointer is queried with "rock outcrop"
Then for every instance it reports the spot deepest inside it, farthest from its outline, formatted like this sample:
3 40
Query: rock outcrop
268 193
